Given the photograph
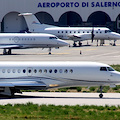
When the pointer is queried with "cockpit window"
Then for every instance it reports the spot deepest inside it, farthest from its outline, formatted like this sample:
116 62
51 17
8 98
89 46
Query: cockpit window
52 37
110 69
108 31
103 69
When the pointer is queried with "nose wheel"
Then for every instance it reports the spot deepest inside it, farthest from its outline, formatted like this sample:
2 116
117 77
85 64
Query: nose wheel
49 51
101 95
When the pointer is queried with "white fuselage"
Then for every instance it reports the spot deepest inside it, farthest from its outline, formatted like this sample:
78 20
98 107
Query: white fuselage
69 33
83 33
29 40
57 74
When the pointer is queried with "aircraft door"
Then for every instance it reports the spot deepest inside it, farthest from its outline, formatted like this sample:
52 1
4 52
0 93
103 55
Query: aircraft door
29 71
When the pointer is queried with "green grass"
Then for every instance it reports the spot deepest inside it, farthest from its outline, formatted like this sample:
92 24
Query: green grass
50 112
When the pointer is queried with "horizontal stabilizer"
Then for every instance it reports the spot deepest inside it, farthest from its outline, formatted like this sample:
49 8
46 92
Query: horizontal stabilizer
25 14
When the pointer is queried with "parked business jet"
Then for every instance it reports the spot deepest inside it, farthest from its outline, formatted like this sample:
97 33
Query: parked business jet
16 76
29 40
70 33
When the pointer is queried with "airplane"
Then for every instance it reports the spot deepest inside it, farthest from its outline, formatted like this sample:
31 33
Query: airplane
71 33
9 41
16 76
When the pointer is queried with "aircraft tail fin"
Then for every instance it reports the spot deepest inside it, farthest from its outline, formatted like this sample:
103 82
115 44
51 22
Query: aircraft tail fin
32 22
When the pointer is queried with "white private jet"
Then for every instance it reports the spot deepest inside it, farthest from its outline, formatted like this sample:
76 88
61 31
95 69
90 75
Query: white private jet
16 76
70 33
29 40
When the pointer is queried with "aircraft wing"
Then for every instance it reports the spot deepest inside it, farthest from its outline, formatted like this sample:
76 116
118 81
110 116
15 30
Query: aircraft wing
10 46
83 36
23 84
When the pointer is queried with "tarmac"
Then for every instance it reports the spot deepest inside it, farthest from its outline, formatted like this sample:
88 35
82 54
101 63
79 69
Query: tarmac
63 98
106 54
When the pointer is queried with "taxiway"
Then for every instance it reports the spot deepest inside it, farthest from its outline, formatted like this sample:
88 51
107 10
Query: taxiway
63 98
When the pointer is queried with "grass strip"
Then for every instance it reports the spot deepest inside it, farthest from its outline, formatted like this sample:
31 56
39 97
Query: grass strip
32 111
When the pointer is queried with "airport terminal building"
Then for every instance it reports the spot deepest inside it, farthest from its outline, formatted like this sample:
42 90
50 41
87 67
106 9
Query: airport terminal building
61 13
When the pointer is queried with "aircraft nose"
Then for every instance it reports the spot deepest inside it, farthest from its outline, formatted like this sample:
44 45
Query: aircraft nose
63 43
116 35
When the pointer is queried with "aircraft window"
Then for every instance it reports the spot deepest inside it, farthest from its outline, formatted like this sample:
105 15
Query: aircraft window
35 71
110 69
108 31
74 31
58 32
71 71
50 71
65 71
70 31
52 37
29 71
19 70
100 32
55 71
8 70
3 70
96 31
24 71
87 31
66 31
103 69
45 71
78 31
60 70
40 71
62 31
83 32
13 70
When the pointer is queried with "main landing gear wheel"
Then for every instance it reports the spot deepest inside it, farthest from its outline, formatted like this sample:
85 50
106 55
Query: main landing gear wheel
5 52
74 44
80 44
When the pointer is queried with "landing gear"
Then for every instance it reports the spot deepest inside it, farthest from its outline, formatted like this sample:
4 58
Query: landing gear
80 44
9 52
74 44
97 42
101 95
49 51
114 43
5 52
